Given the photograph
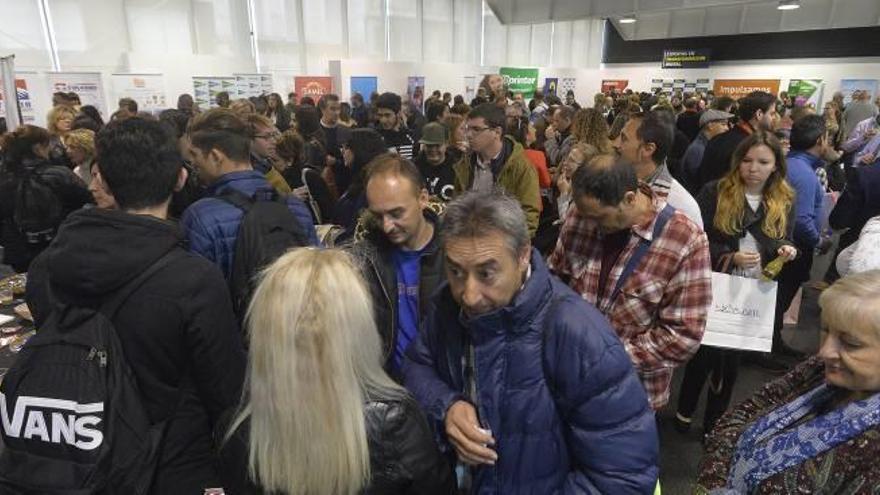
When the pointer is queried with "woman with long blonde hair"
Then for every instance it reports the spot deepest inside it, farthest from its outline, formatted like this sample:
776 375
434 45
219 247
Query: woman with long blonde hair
749 219
319 415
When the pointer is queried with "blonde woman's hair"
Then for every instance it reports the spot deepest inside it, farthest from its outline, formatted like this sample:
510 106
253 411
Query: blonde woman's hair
315 359
243 107
81 139
853 302
56 114
778 195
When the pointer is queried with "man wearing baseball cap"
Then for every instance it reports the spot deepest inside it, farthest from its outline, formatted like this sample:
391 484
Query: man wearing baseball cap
712 123
435 161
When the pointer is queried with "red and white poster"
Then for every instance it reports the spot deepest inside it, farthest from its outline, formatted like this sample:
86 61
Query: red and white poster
313 86
619 85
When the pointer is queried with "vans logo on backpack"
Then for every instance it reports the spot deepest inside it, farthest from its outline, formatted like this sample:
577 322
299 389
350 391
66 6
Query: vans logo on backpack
75 426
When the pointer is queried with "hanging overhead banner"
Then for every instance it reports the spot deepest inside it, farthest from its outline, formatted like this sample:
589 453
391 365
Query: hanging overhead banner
609 85
365 86
313 86
518 80
847 86
737 88
148 90
805 92
686 59
87 85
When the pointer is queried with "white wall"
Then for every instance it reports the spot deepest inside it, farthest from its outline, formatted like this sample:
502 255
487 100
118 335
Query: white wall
450 77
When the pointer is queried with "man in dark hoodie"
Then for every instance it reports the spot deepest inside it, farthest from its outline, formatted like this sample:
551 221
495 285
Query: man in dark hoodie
177 329
392 128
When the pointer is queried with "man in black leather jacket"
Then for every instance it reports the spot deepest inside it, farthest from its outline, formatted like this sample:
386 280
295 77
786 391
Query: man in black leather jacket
398 252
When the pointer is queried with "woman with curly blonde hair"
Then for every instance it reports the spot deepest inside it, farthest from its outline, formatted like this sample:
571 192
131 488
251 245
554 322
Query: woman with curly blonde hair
80 147
589 127
59 122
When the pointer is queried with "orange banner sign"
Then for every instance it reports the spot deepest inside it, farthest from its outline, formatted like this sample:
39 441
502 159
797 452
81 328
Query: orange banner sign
737 88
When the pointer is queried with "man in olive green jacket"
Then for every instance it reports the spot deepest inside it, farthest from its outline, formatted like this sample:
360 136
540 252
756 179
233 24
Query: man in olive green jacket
497 160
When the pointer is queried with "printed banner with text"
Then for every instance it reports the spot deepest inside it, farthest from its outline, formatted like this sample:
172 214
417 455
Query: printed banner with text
24 102
551 86
686 59
805 92
737 88
312 86
518 80
609 85
148 90
87 85
668 86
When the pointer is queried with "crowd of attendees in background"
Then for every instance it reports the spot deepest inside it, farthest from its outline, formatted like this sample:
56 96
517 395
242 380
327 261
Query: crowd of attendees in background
488 296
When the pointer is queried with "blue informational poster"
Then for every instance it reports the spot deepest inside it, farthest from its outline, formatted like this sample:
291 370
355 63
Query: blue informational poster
847 86
365 85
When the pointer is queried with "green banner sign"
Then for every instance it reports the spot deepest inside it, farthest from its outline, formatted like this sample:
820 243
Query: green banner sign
523 81
805 91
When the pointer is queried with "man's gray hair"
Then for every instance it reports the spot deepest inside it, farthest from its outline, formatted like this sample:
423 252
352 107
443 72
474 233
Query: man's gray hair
475 213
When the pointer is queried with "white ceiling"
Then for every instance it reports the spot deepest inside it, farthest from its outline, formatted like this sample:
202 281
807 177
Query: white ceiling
683 18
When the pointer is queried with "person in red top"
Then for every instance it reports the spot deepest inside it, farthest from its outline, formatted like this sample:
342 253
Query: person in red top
642 263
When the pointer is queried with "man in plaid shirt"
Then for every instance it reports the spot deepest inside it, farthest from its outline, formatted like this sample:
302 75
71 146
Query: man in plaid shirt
642 263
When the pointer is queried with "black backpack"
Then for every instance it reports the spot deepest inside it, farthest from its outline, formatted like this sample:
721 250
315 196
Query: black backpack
38 210
73 421
268 229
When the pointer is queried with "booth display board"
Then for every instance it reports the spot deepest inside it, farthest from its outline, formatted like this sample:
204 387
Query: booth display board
686 59
415 90
551 85
205 89
87 85
566 84
24 101
518 80
609 85
737 88
848 86
470 88
365 85
805 92
250 85
148 90
668 85
312 86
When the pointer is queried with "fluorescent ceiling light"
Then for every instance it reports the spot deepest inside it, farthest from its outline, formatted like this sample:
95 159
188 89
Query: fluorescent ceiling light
789 4
628 19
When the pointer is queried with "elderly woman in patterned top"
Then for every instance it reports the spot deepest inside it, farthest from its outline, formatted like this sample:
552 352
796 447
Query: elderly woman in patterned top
817 429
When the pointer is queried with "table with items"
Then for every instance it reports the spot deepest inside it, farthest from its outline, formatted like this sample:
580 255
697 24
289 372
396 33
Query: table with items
16 324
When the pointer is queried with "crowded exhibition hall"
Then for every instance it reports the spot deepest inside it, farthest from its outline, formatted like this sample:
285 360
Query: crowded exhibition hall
439 247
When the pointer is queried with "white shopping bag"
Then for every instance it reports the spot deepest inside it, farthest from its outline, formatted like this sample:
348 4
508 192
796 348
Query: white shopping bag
741 314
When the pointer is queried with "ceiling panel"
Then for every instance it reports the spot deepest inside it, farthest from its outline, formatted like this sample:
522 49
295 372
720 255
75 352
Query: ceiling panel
761 18
653 25
695 17
723 20
685 23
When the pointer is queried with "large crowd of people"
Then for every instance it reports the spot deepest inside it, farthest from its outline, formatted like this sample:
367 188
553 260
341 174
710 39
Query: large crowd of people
377 296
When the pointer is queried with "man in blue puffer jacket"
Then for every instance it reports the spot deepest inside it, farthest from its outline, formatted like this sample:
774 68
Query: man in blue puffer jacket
525 380
221 144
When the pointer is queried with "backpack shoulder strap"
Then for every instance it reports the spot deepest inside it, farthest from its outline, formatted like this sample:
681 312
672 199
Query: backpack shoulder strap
641 250
237 199
110 307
